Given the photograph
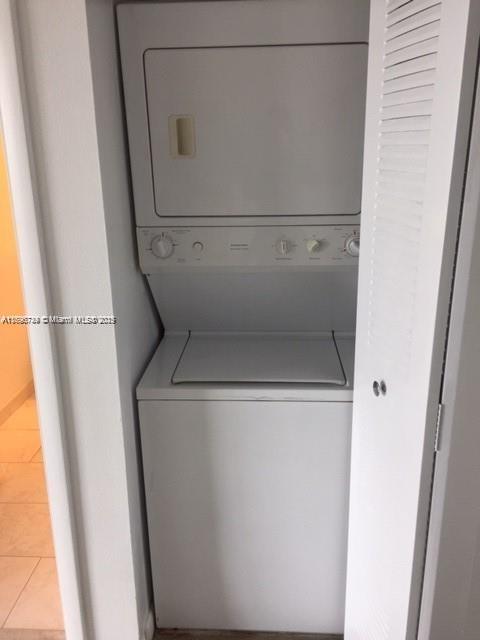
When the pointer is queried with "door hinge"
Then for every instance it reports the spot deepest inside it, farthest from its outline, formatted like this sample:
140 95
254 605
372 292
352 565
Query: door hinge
438 430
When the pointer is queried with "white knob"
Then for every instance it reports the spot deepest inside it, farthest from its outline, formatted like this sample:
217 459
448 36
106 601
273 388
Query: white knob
352 246
283 246
314 245
162 246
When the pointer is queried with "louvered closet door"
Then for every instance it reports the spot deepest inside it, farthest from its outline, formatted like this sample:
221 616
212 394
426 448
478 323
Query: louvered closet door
414 85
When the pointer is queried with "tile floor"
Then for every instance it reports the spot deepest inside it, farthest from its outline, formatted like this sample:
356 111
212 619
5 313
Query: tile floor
29 597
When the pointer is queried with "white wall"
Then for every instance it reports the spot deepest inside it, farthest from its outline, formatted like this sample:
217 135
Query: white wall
84 197
137 332
15 368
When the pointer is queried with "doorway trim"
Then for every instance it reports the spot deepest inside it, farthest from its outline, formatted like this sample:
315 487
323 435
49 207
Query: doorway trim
36 294
453 541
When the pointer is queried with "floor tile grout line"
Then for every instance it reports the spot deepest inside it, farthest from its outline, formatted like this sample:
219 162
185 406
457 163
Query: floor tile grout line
41 556
20 461
22 590
31 459
36 555
23 502
8 462
3 430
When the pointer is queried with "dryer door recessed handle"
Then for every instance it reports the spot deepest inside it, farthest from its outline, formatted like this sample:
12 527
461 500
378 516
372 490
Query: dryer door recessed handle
182 136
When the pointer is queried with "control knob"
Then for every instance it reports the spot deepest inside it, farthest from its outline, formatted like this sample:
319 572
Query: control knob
314 245
352 245
283 246
162 246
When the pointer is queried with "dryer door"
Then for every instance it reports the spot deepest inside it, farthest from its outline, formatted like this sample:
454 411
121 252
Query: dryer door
257 131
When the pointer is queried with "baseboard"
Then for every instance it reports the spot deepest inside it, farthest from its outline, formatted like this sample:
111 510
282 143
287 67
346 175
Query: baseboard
16 402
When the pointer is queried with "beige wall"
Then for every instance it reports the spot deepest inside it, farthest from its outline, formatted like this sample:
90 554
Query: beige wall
15 369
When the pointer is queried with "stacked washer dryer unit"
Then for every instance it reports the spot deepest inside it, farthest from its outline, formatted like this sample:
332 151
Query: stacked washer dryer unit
245 124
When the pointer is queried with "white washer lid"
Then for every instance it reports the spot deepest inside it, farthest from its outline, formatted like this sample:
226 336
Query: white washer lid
260 357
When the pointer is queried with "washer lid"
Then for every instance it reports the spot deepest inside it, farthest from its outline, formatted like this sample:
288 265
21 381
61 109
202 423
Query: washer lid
260 357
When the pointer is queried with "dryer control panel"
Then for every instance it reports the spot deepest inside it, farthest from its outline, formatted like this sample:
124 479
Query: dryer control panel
167 248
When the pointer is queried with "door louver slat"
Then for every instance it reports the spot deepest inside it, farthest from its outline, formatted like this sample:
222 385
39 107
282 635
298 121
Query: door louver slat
409 81
408 9
412 36
410 124
408 93
409 109
393 5
400 25
410 67
412 51
407 96
404 137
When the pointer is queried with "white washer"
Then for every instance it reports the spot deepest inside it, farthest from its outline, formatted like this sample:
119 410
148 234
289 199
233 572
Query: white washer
245 418
247 483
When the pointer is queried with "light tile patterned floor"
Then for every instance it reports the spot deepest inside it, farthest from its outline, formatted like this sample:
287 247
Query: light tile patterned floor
14 575
37 605
18 446
29 597
24 418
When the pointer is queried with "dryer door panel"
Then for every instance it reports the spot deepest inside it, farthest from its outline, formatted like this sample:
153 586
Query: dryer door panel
256 131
